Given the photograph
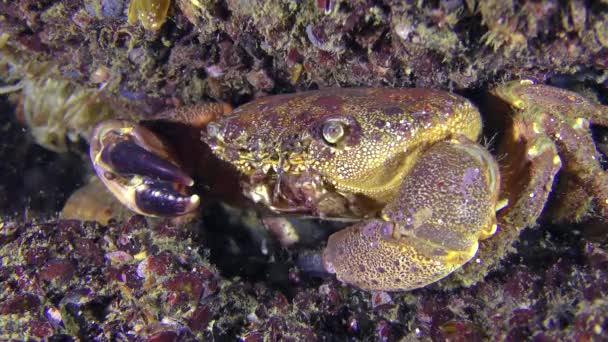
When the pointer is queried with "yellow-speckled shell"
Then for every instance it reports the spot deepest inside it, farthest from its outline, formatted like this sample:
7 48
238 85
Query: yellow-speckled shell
150 13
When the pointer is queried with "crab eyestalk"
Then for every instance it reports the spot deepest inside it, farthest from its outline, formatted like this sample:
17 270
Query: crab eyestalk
138 169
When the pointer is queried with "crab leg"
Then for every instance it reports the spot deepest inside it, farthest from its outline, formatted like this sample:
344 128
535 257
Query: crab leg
126 157
445 205
563 117
196 115
528 171
138 169
581 158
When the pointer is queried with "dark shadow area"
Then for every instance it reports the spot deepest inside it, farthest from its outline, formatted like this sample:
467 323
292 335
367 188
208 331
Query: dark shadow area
34 182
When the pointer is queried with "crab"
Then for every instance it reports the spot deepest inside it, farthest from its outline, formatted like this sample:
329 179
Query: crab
425 197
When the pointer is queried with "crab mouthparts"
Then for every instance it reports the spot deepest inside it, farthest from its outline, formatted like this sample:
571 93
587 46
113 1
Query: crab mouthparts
285 192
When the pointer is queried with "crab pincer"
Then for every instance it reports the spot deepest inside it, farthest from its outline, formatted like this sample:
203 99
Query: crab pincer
444 207
137 167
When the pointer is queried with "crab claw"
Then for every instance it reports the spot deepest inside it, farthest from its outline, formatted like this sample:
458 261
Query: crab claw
137 168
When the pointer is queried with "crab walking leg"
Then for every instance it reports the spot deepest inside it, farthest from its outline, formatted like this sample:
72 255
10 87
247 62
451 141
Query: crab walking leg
564 117
526 96
445 205
580 157
198 115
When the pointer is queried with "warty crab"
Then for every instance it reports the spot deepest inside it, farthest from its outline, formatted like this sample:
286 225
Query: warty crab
404 165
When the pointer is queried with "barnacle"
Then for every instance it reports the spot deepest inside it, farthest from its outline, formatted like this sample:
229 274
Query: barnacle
150 13
53 107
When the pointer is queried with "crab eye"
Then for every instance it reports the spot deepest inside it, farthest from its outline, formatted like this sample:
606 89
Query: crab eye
333 132
213 130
